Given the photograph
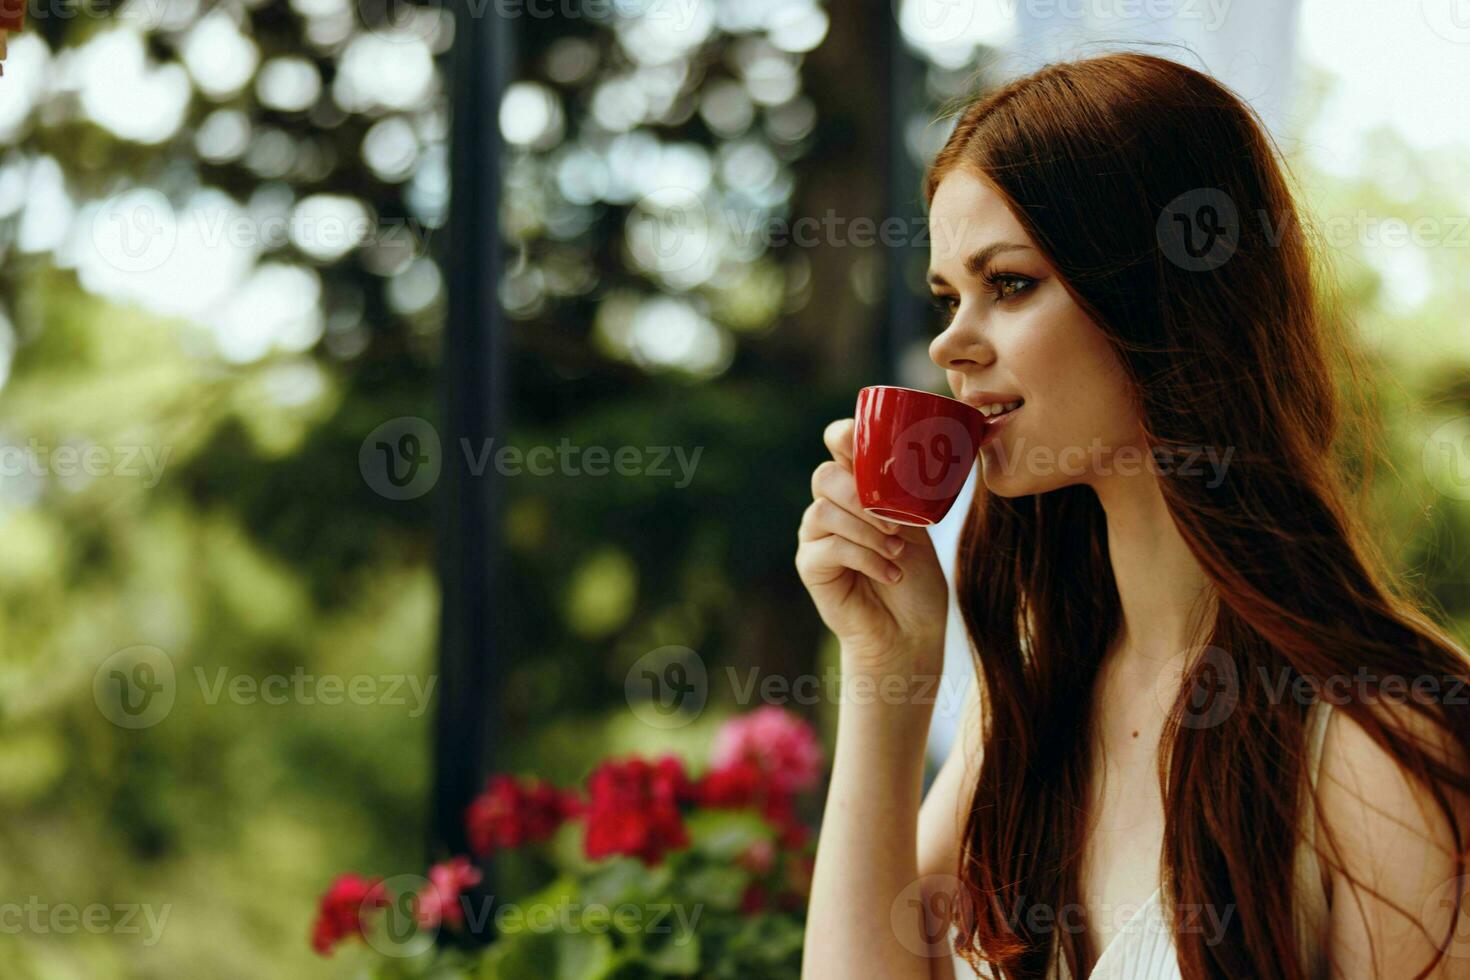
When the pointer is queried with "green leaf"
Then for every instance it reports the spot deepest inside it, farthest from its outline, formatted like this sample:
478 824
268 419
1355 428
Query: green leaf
625 880
433 964
679 956
723 835
518 917
719 887
565 849
557 955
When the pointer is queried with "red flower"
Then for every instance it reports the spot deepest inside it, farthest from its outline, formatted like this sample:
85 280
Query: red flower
781 812
742 784
510 813
340 916
633 809
439 900
780 744
753 899
739 784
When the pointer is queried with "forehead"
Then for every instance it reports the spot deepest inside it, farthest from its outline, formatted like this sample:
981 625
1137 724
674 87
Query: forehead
966 214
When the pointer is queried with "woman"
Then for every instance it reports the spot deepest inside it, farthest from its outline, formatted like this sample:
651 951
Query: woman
1211 740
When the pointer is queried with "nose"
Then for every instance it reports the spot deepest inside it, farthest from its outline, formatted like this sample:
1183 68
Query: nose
961 347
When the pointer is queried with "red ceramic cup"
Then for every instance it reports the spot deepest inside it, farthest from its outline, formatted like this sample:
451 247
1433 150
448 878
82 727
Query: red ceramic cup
912 452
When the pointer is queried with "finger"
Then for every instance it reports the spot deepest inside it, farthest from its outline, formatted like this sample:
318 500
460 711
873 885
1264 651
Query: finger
838 437
822 561
824 517
830 480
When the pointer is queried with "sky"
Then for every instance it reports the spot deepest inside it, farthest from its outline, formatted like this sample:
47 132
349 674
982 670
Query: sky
1405 65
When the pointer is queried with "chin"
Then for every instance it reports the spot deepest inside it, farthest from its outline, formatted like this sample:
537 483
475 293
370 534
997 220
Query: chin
1010 478
1003 484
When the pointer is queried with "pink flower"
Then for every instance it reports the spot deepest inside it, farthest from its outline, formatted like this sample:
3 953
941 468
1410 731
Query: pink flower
633 809
439 900
340 916
780 744
510 813
759 858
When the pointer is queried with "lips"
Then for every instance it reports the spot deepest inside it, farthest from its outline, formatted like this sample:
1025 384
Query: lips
993 425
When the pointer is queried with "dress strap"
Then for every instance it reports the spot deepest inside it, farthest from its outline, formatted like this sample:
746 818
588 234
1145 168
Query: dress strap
1319 714
1312 895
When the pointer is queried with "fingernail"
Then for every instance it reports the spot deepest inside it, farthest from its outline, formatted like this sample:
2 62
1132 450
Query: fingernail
894 573
895 546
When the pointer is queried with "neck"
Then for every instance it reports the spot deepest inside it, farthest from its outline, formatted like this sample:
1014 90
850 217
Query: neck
1165 594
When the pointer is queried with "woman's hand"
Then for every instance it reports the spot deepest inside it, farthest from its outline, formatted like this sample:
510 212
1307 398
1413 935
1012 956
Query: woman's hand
860 920
847 559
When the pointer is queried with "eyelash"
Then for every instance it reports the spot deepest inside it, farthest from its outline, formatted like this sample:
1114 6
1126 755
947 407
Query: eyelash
992 281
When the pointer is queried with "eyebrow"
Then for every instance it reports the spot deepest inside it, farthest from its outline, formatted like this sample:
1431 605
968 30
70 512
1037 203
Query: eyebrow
978 260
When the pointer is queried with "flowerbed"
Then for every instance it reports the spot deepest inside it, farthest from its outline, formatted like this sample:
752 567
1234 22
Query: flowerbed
645 871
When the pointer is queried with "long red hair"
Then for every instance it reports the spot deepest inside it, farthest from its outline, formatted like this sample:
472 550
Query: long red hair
1092 156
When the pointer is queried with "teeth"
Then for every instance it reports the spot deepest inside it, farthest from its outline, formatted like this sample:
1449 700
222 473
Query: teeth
997 408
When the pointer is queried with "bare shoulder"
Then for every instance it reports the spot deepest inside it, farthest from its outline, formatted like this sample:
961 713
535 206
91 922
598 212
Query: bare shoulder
1392 850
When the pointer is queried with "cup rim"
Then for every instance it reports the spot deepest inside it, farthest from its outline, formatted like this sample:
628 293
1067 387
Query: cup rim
921 391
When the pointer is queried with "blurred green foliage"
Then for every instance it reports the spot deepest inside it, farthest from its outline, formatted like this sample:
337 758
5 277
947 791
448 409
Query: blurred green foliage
260 550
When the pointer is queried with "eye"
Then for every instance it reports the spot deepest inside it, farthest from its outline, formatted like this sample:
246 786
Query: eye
946 305
999 282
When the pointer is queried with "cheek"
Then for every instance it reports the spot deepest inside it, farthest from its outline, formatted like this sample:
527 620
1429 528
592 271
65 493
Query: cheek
1069 367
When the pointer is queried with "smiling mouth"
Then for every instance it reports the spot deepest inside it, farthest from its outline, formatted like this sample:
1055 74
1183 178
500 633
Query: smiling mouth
997 411
994 424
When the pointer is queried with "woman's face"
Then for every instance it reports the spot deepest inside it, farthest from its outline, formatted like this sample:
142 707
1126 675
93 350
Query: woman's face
1015 332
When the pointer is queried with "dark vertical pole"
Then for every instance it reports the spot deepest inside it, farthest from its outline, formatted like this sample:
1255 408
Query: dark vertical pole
904 309
474 381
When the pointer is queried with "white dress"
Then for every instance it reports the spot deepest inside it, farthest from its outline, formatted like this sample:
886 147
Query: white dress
1144 948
